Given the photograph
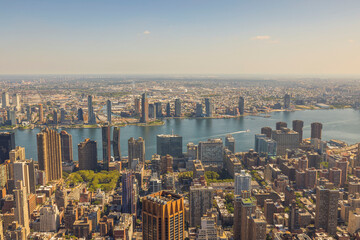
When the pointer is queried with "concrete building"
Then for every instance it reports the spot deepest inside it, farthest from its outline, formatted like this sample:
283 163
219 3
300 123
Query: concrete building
7 143
87 154
211 152
169 144
285 139
244 206
5 100
192 151
158 110
201 198
144 109
106 146
316 128
230 143
267 131
241 105
116 144
21 207
326 209
41 114
199 110
177 107
242 182
287 101
209 107
49 218
280 125
66 147
298 127
108 111
136 150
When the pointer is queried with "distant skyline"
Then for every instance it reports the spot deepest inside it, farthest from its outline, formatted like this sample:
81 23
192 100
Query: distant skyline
262 37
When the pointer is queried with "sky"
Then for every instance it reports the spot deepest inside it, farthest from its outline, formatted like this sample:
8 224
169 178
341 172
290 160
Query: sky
293 37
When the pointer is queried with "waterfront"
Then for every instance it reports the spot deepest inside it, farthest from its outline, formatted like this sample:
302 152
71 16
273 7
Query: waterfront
341 124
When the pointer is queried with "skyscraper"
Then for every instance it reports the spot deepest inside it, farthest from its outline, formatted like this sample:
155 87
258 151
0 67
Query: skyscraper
21 207
80 114
316 128
177 107
144 109
62 115
28 113
66 147
168 110
267 131
17 101
106 146
49 153
55 117
24 170
91 114
5 100
243 207
163 215
41 114
287 101
280 125
298 127
285 139
211 151
87 153
128 194
152 111
242 182
169 144
199 110
230 143
108 111
201 198
241 105
7 143
136 149
158 110
209 107
326 209
137 104
116 144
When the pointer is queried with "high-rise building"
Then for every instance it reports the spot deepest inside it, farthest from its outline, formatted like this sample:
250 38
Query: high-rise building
168 110
192 151
177 107
211 152
166 164
267 131
128 193
343 164
61 198
28 113
80 114
256 226
199 110
287 101
49 218
316 128
285 139
243 207
116 144
169 144
106 146
201 198
298 127
137 103
49 154
242 182
66 147
5 100
108 111
21 207
87 154
230 143
11 114
163 216
152 111
17 103
158 110
241 105
326 209
136 149
24 171
91 115
55 117
209 107
280 125
62 115
265 145
41 114
7 143
144 109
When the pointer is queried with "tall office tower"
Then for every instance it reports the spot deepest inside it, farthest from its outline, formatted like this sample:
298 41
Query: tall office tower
256 226
168 110
209 107
18 153
66 147
192 151
201 198
294 216
280 125
177 107
17 102
163 216
326 209
24 170
116 144
106 146
287 101
158 110
298 127
136 149
169 144
5 100
55 117
108 110
316 128
41 114
7 143
80 115
21 207
87 152
211 152
49 154
267 131
343 166
230 143
242 182
11 115
137 104
257 139
128 194
285 139
144 109
243 207
199 110
90 110
241 105
62 115
166 164
28 113
152 111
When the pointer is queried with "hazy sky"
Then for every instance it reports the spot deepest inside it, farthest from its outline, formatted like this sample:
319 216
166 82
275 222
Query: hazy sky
180 36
